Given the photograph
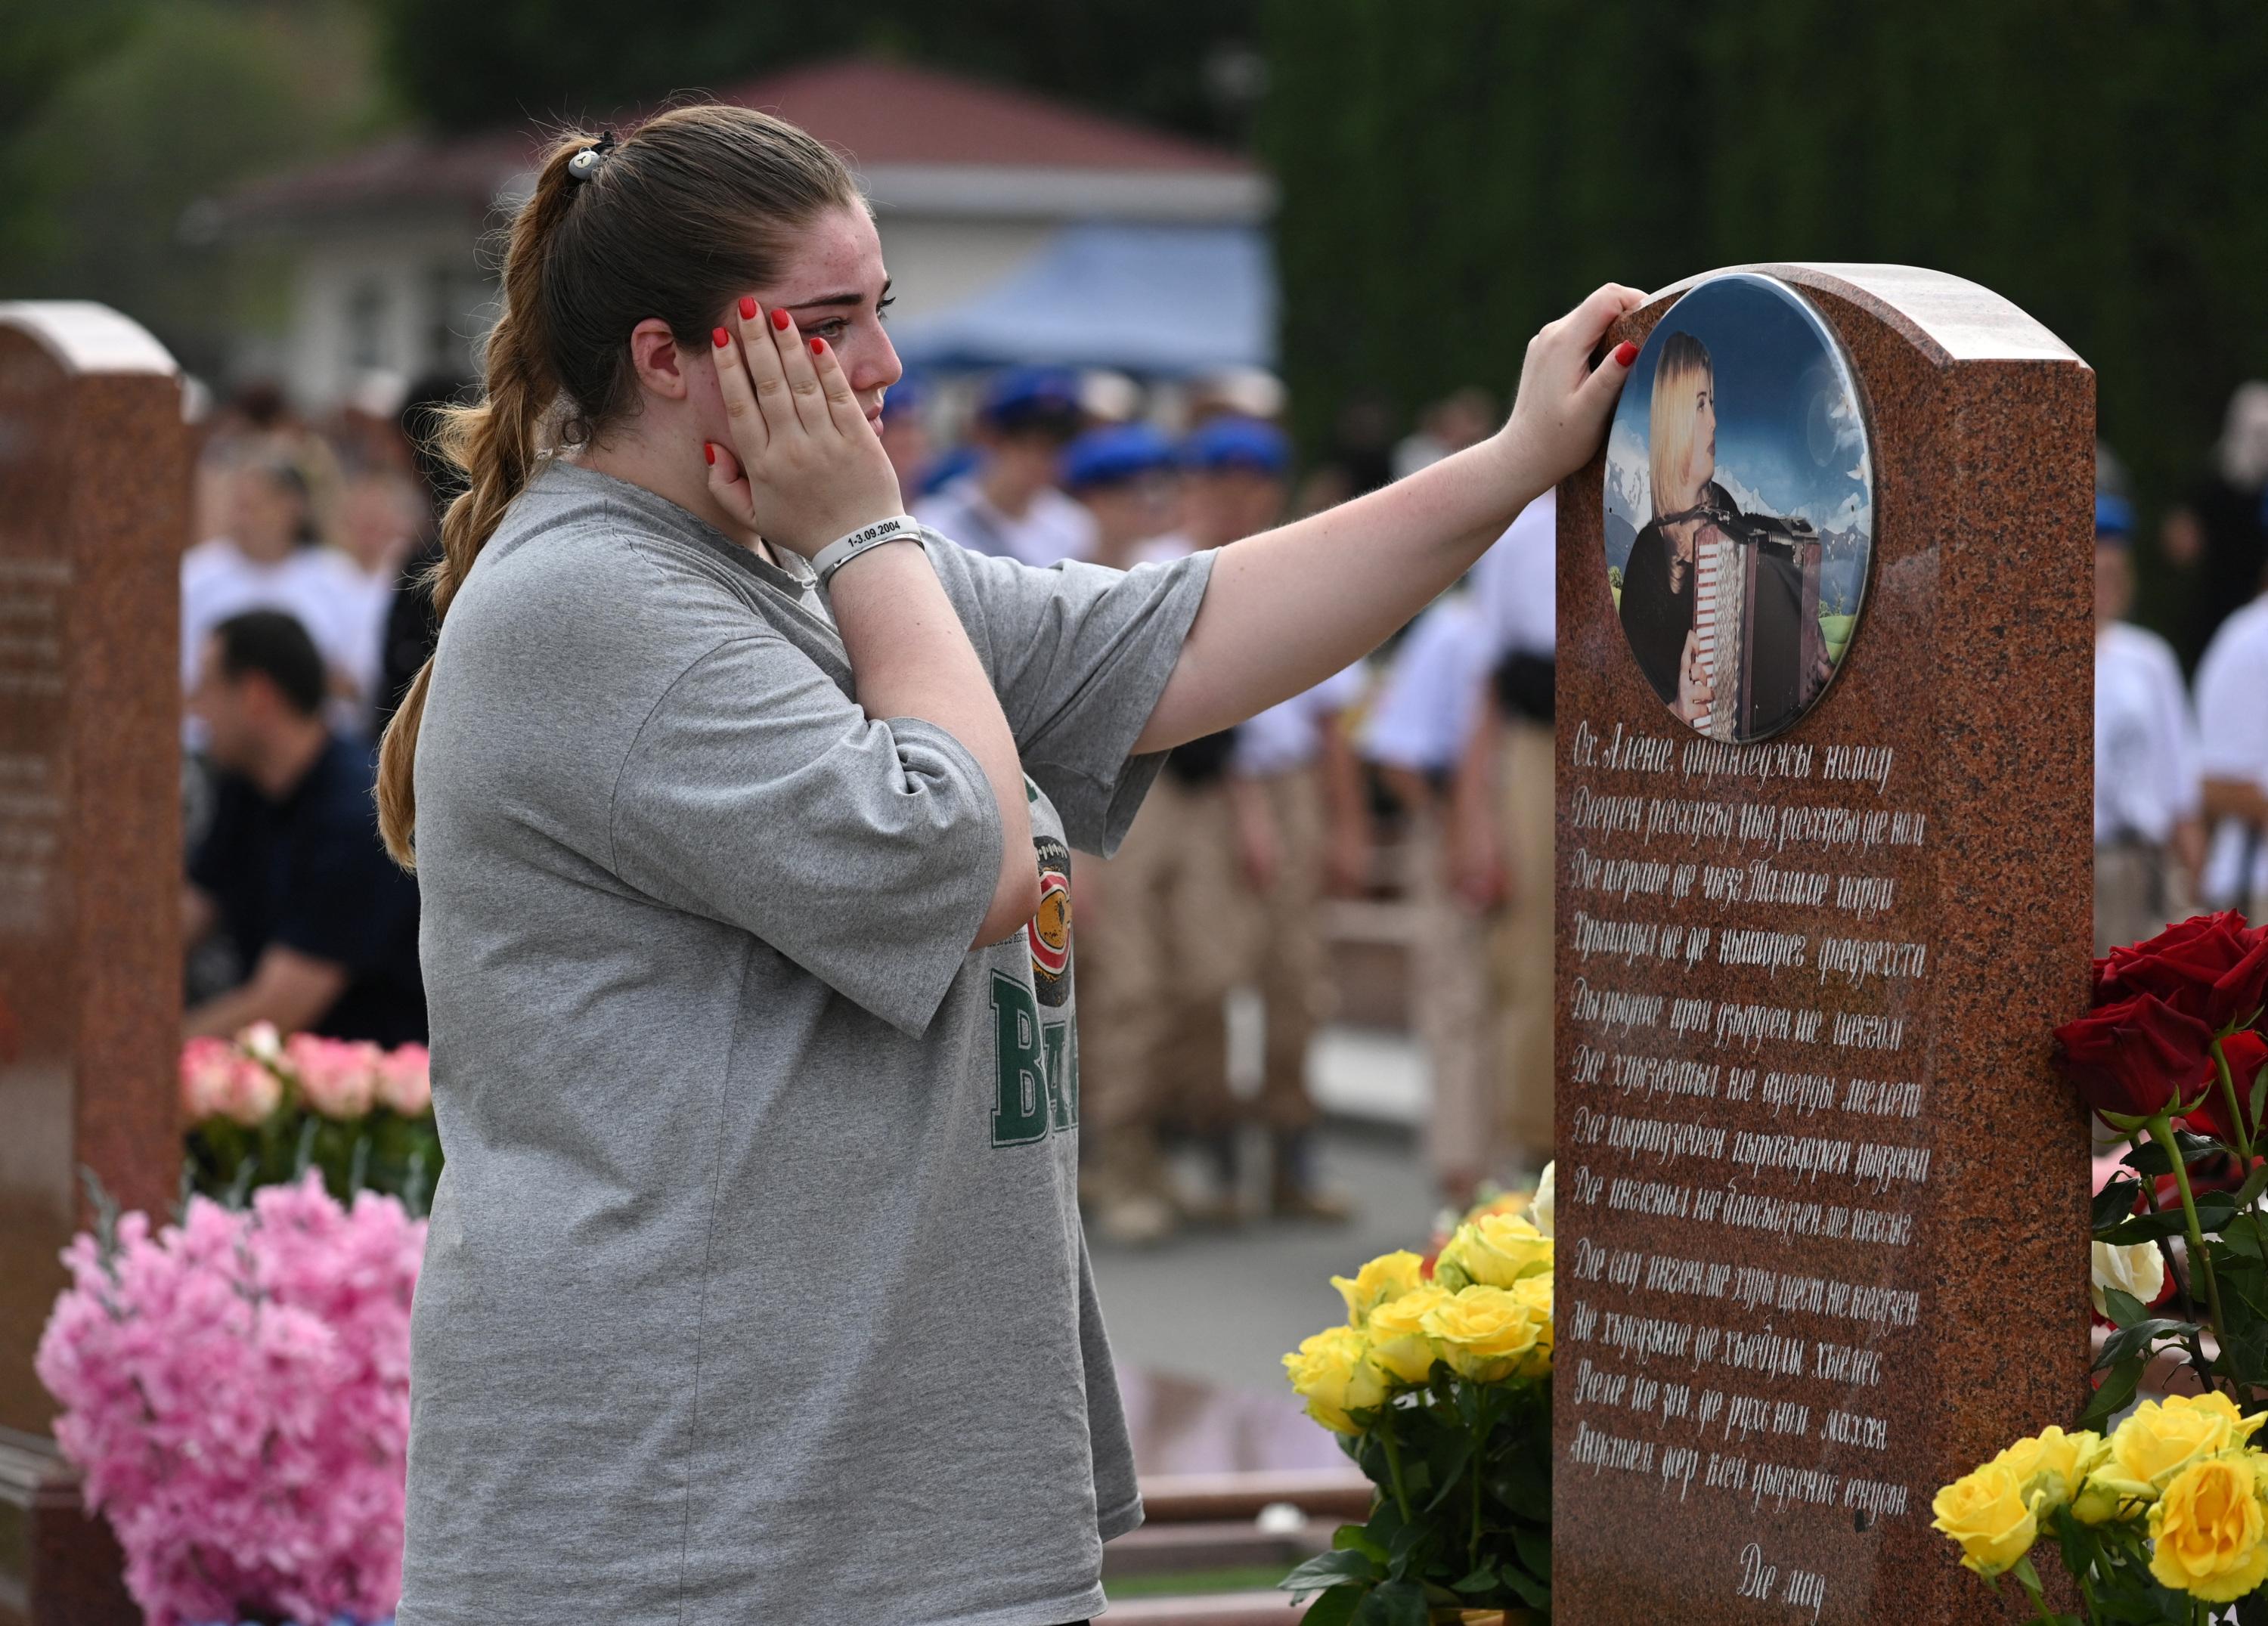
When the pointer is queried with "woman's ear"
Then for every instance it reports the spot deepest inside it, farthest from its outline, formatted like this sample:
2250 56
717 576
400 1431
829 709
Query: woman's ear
656 360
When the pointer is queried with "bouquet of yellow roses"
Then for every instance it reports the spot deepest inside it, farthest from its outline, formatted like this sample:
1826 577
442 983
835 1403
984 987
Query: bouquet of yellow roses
1439 1388
2160 1522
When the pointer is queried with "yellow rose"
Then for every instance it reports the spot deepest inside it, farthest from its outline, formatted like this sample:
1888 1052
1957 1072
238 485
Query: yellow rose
1485 1332
2163 1438
1535 1291
1382 1280
1495 1250
2051 1467
1334 1373
1545 1208
1985 1512
2209 1538
1398 1340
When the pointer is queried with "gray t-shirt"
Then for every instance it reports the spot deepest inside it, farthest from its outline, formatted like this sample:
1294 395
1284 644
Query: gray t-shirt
755 1293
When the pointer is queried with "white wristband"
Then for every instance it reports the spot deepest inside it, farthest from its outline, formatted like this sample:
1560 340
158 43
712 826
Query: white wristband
836 553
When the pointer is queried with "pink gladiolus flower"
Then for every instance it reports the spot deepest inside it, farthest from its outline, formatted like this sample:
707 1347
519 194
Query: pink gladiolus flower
235 1390
338 1077
405 1081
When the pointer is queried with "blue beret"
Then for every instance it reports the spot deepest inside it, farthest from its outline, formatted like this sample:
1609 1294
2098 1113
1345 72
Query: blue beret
1017 395
1103 456
2113 517
1234 442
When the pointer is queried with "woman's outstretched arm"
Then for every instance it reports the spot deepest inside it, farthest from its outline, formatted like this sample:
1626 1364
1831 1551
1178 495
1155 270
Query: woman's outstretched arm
1290 607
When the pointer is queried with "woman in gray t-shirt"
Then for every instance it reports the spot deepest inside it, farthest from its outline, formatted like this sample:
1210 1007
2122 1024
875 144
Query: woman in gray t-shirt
755 1289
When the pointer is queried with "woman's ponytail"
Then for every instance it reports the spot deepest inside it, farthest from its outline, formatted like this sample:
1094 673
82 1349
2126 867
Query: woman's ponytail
689 211
496 442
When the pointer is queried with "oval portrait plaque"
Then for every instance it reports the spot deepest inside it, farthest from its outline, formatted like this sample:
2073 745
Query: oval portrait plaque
1740 507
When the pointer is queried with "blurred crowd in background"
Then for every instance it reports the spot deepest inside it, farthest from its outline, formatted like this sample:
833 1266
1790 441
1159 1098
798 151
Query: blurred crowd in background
1421 778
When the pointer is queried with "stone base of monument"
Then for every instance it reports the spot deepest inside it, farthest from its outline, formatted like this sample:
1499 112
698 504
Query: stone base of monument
58 1566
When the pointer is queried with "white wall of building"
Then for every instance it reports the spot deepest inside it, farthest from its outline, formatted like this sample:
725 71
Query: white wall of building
407 299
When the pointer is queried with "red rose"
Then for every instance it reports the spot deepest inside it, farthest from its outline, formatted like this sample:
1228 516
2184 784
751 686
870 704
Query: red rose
2209 967
2244 987
2247 1053
2136 1057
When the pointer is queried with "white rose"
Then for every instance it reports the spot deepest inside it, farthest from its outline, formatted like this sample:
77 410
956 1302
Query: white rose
1540 1212
2139 1269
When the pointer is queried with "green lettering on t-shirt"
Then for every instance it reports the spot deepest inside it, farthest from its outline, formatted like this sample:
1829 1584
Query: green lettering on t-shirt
1020 1115
1063 1076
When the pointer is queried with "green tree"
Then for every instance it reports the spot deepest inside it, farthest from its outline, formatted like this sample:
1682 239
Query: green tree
1455 172
1176 63
190 97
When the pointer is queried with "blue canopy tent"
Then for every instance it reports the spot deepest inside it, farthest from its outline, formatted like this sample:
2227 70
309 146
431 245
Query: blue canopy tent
1161 300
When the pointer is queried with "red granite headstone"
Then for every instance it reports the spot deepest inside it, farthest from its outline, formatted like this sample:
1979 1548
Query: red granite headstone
95 479
1822 1208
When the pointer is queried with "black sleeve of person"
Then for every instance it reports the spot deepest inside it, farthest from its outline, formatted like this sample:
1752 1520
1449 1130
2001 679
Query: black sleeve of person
1202 761
1525 687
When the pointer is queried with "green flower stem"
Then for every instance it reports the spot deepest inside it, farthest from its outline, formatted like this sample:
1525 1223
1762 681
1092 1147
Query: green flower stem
2188 1300
1475 1544
2236 1106
2201 1261
2028 1579
1393 1465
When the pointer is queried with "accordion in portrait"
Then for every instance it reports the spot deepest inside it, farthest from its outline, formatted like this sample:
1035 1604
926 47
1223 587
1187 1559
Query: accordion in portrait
1726 570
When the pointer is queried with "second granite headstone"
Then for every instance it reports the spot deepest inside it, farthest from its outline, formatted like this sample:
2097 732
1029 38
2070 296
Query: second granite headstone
1825 847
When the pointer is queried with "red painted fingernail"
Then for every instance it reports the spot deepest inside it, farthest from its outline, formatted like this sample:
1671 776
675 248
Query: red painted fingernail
779 318
747 308
709 451
720 338
1625 353
819 347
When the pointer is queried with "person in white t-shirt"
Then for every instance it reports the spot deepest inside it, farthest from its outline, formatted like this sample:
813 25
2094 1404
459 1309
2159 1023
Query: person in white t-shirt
2149 839
2232 708
1008 505
270 560
1413 734
1502 817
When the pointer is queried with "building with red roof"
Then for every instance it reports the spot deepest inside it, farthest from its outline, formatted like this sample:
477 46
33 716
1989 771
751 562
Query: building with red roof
978 190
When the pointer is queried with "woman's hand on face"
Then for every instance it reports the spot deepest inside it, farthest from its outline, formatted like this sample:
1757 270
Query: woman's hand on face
1694 692
805 467
1560 415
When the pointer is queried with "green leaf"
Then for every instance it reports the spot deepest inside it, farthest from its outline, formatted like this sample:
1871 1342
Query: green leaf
2139 1338
1534 1593
1356 1539
2151 1159
2114 1203
1535 1549
2248 1232
1450 1469
1481 1580
2125 1308
1396 1603
2118 1386
1330 1570
1334 1607
1406 1544
2215 1209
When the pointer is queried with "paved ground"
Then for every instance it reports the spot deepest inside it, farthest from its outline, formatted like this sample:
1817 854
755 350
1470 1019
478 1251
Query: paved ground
1224 1306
